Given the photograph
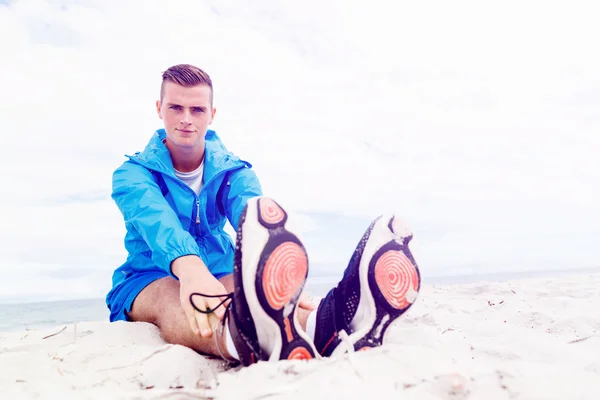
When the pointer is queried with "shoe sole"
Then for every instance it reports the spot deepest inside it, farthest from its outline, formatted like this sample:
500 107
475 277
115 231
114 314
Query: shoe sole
273 288
389 282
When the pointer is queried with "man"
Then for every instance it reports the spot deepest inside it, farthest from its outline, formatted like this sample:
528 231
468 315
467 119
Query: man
244 302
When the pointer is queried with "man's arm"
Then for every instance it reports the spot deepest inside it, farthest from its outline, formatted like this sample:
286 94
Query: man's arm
243 185
143 206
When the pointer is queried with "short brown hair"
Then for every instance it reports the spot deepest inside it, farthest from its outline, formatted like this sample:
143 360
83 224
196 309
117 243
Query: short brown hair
186 75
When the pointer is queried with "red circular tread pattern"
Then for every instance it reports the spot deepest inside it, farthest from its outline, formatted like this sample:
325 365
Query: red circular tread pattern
270 212
300 353
395 276
284 273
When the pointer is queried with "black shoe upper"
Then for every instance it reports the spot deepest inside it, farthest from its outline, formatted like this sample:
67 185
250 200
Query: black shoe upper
337 309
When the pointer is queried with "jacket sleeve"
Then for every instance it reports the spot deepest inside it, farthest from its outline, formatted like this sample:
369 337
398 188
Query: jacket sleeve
243 185
145 209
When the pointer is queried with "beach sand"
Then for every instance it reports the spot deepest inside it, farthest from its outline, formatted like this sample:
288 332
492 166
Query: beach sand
522 339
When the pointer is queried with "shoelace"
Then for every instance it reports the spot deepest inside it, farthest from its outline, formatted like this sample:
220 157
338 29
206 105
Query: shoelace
228 296
345 339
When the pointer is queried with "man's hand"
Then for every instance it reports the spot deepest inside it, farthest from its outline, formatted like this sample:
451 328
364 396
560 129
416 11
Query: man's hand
306 302
194 277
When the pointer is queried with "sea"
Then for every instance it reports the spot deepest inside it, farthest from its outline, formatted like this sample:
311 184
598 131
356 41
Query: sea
25 316
39 315
45 314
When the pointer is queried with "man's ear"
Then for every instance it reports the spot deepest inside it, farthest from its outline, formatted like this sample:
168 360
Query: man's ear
158 109
214 112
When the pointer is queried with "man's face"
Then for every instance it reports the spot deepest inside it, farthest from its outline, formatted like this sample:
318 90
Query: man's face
186 112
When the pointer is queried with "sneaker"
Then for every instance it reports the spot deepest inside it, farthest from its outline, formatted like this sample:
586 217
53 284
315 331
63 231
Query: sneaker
270 271
380 284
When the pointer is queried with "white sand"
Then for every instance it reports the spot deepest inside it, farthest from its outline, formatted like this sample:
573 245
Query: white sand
528 339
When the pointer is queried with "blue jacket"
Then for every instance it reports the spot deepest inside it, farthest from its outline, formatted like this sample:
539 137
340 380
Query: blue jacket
165 219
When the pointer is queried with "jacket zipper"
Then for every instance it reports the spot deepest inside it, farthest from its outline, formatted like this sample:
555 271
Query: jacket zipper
187 187
197 210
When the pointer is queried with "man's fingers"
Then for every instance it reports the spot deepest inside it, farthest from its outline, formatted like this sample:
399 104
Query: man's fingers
213 321
192 320
203 325
218 310
306 302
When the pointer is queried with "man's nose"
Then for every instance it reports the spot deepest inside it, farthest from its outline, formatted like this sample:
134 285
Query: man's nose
186 117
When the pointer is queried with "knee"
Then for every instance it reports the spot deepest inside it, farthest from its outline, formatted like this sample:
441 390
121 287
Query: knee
156 301
166 297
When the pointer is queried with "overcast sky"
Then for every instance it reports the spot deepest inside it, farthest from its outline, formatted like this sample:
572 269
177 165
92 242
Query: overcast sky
478 124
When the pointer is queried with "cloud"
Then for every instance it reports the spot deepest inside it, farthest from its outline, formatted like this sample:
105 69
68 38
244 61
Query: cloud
477 123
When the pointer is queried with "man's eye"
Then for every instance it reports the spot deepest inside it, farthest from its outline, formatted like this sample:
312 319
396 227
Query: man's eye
198 110
175 108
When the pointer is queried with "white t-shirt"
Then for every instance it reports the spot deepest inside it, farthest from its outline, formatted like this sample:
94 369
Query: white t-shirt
193 179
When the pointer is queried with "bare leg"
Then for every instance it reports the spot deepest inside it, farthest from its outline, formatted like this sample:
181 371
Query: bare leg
168 315
303 317
159 304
